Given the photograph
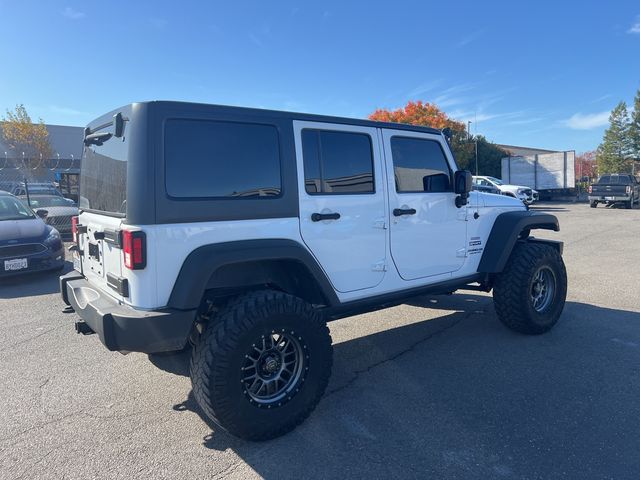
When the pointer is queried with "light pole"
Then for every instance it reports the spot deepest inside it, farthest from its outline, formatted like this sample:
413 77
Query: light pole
475 142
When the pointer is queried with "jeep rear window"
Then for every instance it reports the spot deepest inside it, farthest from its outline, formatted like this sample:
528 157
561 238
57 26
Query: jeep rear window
103 175
210 159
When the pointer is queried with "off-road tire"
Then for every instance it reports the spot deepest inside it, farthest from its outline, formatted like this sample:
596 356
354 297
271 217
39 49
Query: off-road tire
218 357
512 291
593 204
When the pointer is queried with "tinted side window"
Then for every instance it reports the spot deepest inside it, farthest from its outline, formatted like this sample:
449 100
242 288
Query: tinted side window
221 159
419 165
337 162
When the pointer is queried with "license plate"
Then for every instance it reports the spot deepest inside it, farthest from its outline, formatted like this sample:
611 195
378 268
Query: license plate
76 262
15 264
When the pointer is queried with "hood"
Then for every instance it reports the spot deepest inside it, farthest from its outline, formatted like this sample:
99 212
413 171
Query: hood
514 188
492 200
60 211
33 229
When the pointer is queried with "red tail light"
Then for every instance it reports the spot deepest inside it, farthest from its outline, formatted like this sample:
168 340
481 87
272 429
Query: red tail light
628 188
590 189
74 228
134 248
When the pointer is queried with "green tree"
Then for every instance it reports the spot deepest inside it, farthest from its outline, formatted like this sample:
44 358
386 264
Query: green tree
612 154
22 135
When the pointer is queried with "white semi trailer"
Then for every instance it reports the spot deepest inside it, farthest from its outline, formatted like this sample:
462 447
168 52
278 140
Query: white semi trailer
548 173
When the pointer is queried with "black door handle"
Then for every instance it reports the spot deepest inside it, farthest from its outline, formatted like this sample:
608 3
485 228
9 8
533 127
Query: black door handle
398 212
316 217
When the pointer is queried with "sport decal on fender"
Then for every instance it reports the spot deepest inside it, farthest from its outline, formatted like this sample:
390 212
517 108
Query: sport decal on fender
475 246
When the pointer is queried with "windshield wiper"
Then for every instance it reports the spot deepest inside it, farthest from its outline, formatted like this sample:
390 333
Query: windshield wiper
97 138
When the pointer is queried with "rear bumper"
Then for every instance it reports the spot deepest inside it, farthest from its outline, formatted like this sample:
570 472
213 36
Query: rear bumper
121 327
609 198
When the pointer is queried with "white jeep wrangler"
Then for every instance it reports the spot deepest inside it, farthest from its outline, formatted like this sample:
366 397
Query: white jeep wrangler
243 231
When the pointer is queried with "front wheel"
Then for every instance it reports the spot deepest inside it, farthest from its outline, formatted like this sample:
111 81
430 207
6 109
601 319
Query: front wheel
262 364
530 293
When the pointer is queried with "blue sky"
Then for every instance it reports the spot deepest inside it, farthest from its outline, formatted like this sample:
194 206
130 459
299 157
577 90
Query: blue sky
541 74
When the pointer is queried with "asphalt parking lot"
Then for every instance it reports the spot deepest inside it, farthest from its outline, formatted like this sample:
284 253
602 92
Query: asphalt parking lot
433 389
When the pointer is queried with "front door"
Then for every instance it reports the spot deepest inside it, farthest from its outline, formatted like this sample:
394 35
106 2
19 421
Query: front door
428 231
342 202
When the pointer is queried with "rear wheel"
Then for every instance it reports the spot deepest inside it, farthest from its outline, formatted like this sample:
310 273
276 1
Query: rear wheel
530 293
594 204
629 204
261 366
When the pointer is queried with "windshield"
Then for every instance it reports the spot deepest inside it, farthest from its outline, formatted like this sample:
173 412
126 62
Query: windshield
495 180
39 201
13 209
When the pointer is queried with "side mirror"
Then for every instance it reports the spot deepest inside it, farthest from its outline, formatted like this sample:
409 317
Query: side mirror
448 134
462 183
42 213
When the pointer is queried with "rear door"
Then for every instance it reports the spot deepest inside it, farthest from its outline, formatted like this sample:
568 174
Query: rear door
102 202
100 255
428 232
342 202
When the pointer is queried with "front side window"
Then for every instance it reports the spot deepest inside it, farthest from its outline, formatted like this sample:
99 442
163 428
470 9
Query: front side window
419 165
337 162
209 159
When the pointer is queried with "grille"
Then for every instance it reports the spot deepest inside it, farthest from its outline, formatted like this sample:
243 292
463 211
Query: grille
528 192
60 221
21 250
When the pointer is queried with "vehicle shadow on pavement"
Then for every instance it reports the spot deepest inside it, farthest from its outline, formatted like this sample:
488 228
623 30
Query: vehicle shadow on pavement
461 396
32 284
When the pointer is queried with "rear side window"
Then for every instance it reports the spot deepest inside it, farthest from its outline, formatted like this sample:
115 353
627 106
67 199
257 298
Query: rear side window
337 162
207 159
419 165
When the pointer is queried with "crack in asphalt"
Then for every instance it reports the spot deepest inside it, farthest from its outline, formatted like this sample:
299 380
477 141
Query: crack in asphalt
27 340
411 347
230 469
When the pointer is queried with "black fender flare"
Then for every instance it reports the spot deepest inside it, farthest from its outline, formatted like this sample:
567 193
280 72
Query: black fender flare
505 233
204 261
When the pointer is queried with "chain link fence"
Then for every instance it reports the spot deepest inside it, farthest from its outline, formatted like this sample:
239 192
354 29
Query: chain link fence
61 172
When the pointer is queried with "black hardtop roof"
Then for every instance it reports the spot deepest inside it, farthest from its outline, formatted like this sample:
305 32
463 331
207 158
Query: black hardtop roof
257 112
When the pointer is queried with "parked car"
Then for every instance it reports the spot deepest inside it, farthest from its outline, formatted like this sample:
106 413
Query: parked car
59 210
615 188
485 188
37 188
27 243
256 227
525 194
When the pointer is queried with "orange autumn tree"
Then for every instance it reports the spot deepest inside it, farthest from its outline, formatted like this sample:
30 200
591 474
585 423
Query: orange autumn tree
418 113
430 115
